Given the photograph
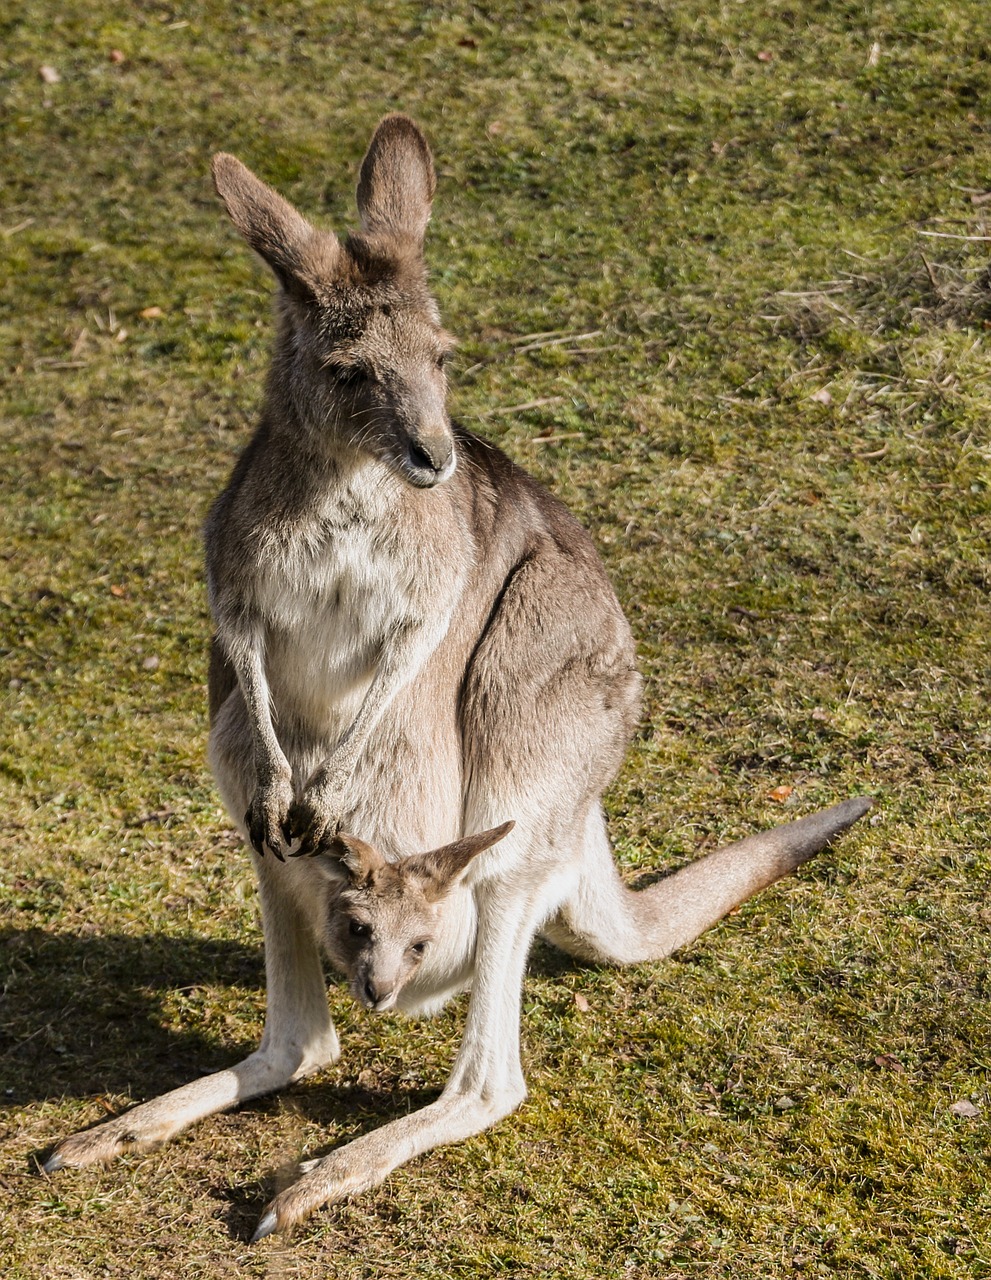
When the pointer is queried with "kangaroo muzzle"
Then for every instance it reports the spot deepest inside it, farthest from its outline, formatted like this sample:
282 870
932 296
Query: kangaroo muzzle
432 459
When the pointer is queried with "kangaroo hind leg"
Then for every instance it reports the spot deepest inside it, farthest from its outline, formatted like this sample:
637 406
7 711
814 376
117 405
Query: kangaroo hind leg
299 1038
598 921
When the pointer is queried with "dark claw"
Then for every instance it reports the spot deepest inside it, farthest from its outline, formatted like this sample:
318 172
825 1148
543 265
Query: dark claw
296 821
313 835
298 824
326 839
253 835
274 842
313 848
259 841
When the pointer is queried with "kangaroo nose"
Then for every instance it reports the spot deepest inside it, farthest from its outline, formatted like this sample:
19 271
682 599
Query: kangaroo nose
432 456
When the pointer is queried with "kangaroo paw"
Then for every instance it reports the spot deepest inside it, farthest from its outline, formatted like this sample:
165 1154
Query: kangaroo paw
326 1182
98 1146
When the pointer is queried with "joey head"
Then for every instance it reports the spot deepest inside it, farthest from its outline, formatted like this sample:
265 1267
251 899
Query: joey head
383 919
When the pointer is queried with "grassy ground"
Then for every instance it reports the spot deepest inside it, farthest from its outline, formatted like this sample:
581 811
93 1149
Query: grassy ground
759 236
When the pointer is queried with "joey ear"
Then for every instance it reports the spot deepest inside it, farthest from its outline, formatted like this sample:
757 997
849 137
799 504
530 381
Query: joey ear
397 181
293 248
448 864
348 858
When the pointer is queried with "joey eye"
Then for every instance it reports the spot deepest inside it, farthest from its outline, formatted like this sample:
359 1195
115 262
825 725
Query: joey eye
418 948
358 929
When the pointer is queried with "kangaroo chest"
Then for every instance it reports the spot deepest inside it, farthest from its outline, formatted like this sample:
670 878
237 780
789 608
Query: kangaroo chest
337 582
329 597
358 573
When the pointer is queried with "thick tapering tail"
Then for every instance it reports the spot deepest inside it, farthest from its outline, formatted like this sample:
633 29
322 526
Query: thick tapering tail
607 922
703 892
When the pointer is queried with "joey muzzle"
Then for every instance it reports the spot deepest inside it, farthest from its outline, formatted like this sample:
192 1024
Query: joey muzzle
377 994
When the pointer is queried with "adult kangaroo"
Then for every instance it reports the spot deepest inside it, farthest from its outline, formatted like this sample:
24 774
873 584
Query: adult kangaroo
415 642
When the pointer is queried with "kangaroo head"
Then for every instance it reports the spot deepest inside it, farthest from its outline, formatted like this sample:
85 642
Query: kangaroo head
383 917
360 357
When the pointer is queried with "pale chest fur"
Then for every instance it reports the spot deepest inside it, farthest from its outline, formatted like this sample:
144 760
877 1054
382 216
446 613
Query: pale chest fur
333 590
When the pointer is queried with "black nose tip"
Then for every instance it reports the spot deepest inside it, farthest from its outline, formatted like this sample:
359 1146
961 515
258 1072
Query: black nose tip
430 454
375 992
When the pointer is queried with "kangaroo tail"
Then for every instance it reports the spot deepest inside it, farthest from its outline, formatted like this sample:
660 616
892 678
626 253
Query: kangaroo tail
607 922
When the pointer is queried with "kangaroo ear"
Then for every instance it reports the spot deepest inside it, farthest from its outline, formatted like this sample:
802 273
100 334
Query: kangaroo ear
296 251
446 865
397 182
350 859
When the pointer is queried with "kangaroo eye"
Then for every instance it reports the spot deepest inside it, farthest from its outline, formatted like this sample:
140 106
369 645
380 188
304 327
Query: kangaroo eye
418 948
358 929
347 375
442 360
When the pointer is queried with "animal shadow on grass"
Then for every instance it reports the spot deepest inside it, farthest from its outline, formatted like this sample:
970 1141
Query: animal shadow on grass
82 1016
